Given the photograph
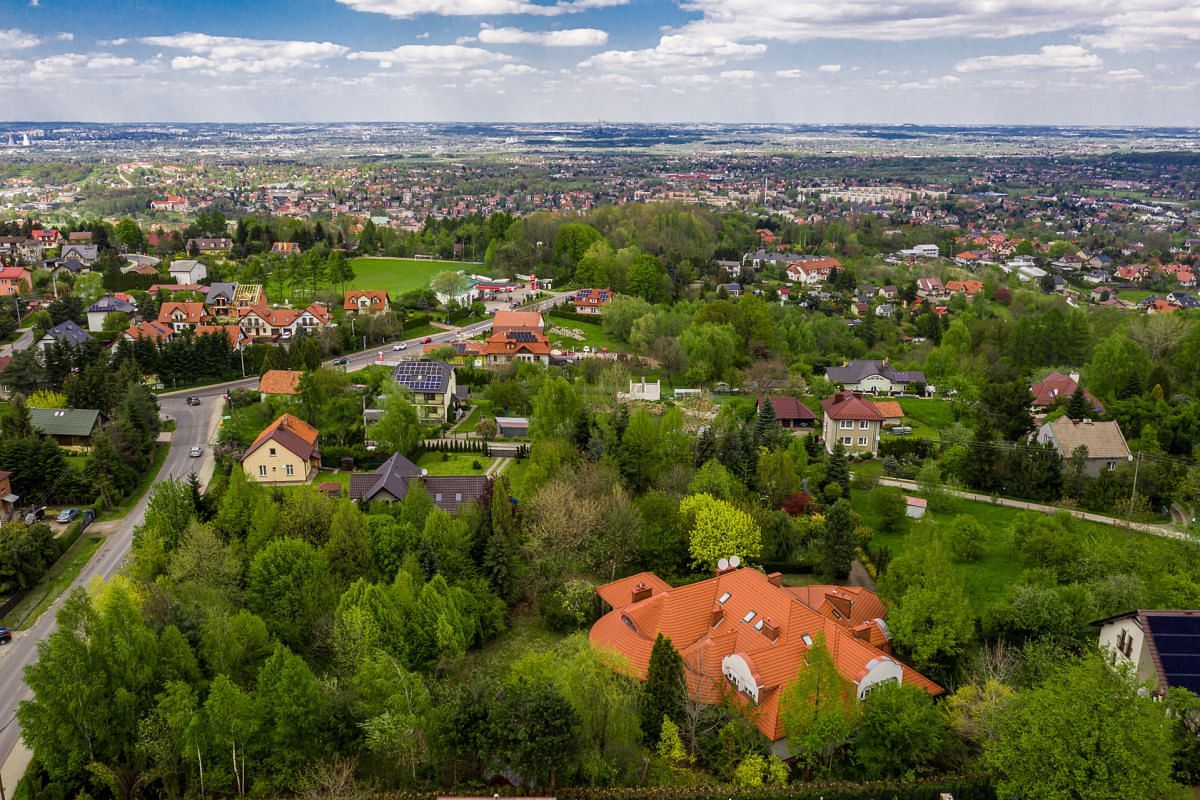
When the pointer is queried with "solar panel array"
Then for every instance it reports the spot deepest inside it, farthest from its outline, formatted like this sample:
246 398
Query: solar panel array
1177 640
521 336
422 376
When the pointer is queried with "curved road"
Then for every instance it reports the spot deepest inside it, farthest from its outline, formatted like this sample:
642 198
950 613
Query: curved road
194 425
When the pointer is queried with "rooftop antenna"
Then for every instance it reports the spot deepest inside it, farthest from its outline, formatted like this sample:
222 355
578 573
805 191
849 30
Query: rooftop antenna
735 561
723 565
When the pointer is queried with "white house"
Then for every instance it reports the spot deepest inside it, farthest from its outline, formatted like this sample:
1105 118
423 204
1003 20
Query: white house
464 298
1161 646
642 390
187 271
98 311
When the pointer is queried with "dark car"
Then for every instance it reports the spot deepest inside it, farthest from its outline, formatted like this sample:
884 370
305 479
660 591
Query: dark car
193 401
341 362
5 636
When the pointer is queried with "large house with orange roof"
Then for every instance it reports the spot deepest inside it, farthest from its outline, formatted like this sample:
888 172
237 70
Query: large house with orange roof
518 320
852 421
151 330
505 347
365 302
261 322
287 451
743 634
182 316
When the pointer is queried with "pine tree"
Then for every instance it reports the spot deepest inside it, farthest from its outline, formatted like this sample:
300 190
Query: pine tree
663 693
767 430
837 469
1077 406
837 540
706 446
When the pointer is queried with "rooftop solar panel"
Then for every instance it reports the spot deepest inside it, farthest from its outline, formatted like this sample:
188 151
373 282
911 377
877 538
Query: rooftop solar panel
1177 640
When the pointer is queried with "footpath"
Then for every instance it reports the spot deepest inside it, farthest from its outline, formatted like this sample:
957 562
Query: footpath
1142 527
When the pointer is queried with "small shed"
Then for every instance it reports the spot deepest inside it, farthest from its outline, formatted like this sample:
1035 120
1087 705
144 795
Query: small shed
915 506
512 427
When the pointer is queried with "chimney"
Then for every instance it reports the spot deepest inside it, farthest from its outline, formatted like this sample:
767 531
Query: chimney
770 630
718 614
775 579
641 592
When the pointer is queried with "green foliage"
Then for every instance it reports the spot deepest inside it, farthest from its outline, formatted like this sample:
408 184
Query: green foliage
839 537
534 730
1105 740
890 507
899 732
664 693
290 587
719 530
819 710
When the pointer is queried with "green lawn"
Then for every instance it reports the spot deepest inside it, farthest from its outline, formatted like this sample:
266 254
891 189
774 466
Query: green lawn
936 414
399 275
526 634
456 464
1133 295
516 476
593 335
53 583
988 578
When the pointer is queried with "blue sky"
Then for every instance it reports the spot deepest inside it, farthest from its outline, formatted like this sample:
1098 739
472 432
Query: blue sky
1125 62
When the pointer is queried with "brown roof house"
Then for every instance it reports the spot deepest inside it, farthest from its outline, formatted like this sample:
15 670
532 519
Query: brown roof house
1106 447
744 635
279 382
397 476
853 421
287 451
791 413
1057 388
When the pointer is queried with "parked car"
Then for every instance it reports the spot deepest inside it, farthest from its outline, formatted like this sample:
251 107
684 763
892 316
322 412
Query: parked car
67 515
193 401
901 430
341 361
5 636
196 451
401 346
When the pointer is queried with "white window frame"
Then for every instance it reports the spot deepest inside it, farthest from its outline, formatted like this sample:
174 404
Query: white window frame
863 425
288 469
862 441
262 470
847 424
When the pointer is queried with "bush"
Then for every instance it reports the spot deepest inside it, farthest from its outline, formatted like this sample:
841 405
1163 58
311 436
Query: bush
967 538
889 505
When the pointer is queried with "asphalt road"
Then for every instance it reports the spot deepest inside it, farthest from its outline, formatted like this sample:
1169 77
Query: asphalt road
194 425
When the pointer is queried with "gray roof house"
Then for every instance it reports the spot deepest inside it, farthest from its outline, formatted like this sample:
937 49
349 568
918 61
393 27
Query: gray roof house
392 481
98 311
66 332
874 377
86 253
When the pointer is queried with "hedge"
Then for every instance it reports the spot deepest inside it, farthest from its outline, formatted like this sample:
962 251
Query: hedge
573 317
927 789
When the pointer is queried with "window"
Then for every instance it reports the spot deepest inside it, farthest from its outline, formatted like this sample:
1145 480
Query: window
437 498
272 451
862 441
458 497
758 626
863 425
749 616
262 470
847 423
289 470
807 640
847 440
724 598
1110 466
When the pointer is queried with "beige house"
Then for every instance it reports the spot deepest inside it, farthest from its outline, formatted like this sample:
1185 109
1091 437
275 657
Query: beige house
433 387
1160 647
853 421
288 451
1106 447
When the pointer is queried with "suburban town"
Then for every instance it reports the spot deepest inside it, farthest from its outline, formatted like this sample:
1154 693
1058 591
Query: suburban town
593 460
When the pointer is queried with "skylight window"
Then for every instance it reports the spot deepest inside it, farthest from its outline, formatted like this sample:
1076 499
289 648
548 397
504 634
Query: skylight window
723 598
749 616
758 626
807 640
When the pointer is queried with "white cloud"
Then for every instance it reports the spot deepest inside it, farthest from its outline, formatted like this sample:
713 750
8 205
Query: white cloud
789 73
943 82
406 9
1142 29
65 36
518 69
572 37
17 39
1051 56
830 68
424 35
112 42
738 75
1125 75
675 51
227 54
432 57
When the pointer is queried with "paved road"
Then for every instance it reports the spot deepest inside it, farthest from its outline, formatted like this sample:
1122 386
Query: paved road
22 342
194 425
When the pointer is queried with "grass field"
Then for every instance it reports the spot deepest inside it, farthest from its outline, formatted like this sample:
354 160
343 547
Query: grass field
456 464
988 578
936 414
593 335
399 275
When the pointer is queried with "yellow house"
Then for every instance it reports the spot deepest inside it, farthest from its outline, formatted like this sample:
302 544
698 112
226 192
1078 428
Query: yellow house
288 451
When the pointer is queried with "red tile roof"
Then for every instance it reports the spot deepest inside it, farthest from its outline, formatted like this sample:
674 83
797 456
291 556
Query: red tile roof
790 408
291 432
848 405
280 381
743 617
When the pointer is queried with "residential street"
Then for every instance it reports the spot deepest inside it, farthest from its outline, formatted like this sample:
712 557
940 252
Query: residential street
195 425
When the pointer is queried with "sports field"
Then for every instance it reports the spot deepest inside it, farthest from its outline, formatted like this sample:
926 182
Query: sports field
399 275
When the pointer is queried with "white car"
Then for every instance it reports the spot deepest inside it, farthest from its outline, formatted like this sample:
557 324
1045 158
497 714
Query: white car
196 451
401 346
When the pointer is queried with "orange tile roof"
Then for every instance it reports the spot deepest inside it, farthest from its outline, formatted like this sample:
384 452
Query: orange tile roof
280 381
374 300
848 405
504 320
232 331
291 432
192 313
890 409
151 329
742 616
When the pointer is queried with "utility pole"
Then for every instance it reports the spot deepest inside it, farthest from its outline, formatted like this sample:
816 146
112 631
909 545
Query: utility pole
1137 462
